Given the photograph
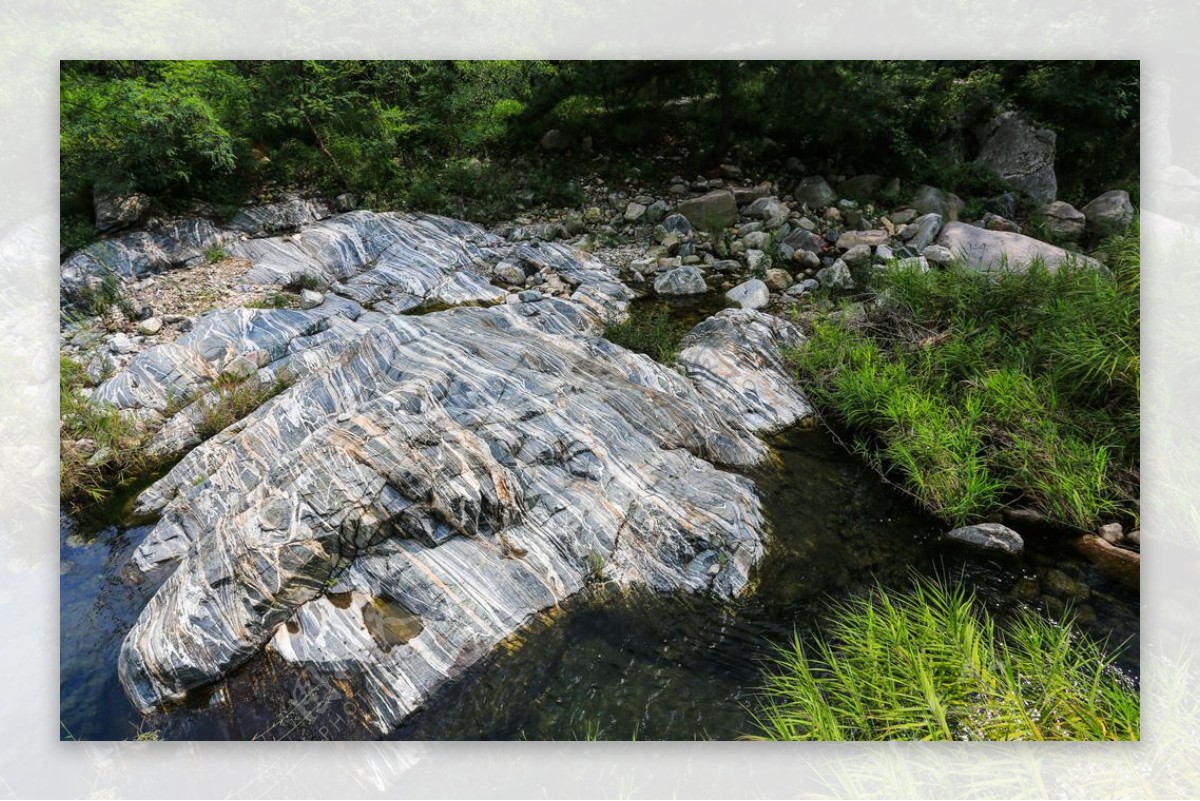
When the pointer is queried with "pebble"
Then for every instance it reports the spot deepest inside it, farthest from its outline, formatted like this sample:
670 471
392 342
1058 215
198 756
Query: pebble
150 326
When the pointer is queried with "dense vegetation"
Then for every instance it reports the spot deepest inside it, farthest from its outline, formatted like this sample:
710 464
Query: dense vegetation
930 664
462 137
976 391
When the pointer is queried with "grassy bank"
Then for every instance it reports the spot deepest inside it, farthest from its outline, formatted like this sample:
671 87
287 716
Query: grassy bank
930 664
975 392
102 451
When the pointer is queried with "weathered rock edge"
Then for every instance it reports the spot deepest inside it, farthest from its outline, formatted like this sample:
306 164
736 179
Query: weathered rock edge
459 470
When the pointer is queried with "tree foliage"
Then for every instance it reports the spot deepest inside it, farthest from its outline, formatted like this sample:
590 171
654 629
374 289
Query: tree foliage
399 131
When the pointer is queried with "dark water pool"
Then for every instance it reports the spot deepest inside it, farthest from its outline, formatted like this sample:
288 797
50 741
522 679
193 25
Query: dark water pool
607 664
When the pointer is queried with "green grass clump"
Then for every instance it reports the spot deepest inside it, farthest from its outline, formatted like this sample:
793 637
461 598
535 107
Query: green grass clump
215 254
975 391
276 300
650 330
929 664
99 449
232 398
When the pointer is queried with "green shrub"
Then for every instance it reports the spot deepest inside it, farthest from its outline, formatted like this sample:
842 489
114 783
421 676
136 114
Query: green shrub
930 664
973 391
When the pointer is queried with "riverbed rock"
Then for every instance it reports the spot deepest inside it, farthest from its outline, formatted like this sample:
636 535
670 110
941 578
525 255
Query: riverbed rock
994 222
510 273
132 256
801 239
711 211
777 279
858 255
862 187
992 537
275 218
677 224
150 326
836 276
771 210
758 262
931 200
937 254
680 281
634 211
556 140
1022 154
752 294
1109 214
461 469
986 250
814 192
873 238
114 211
1059 222
924 229
734 359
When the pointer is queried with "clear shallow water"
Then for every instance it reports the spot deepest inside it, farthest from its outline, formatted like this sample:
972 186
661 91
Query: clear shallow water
607 664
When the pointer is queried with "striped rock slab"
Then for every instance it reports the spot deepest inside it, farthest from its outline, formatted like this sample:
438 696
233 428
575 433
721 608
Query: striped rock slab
429 482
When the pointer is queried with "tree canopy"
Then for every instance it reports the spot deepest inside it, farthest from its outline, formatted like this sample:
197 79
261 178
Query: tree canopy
400 131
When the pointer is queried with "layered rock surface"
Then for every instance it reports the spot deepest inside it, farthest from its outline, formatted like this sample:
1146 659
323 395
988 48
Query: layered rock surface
430 481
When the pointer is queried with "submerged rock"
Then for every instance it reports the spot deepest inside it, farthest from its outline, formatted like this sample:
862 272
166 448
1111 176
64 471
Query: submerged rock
452 473
989 537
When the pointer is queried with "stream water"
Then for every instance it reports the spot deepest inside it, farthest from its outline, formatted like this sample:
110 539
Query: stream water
607 664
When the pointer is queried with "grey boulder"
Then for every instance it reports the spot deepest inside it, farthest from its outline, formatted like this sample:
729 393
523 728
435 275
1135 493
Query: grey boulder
114 211
814 192
1109 214
711 211
1022 154
680 281
986 250
931 200
836 276
752 294
1059 222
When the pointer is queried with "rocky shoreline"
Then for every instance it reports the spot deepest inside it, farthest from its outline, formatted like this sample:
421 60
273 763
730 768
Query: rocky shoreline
450 445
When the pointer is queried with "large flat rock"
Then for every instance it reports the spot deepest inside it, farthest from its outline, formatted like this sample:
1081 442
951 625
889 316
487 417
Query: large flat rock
987 250
431 481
